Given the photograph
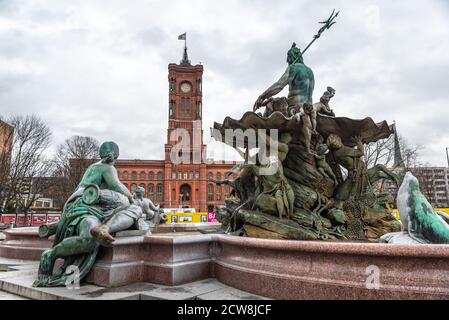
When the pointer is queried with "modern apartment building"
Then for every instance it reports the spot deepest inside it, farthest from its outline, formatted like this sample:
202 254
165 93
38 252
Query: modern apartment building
434 184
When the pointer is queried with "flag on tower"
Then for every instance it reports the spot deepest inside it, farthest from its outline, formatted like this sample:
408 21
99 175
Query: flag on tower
182 36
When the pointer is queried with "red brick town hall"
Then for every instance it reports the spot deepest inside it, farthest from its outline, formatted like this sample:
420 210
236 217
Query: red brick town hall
176 185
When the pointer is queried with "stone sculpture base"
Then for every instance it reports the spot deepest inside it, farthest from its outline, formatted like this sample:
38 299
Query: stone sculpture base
398 238
186 227
279 269
167 259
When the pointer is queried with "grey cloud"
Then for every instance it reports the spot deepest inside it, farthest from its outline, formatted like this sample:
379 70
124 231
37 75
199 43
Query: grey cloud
102 71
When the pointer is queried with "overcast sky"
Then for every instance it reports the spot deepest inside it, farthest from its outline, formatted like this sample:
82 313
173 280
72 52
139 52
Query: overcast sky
99 68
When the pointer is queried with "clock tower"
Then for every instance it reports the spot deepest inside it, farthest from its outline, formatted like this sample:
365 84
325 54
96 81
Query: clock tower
185 114
186 183
185 104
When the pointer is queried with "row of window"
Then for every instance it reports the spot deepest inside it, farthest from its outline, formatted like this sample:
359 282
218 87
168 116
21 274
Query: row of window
155 193
214 192
43 203
185 107
143 176
184 175
196 175
175 175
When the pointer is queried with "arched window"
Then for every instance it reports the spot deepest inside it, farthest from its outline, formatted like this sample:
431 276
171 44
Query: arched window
197 175
151 176
172 108
185 175
210 176
226 190
185 191
191 175
143 176
133 187
160 192
142 185
151 191
160 175
210 192
125 175
179 175
134 175
173 175
219 176
218 193
199 109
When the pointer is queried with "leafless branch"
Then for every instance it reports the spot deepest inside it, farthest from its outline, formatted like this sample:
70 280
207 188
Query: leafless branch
28 165
71 161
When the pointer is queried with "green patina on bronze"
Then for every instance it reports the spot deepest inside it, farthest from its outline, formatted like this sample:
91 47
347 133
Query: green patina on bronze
420 220
298 77
301 80
100 206
309 191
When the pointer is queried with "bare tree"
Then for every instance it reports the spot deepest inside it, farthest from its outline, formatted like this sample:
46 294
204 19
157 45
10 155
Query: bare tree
71 161
29 166
410 154
382 152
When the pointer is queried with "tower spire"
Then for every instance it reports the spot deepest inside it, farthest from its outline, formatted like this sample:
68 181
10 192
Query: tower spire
398 161
185 57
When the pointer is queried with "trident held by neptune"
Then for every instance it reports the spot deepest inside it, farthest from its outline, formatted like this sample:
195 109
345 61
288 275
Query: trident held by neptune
298 76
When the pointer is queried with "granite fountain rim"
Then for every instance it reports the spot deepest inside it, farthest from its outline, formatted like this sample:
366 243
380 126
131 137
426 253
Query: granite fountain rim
349 248
339 247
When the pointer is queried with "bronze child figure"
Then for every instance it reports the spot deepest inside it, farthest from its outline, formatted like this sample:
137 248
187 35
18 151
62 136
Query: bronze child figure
321 163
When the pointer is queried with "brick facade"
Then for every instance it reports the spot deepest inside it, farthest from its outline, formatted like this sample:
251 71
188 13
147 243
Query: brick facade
6 138
6 143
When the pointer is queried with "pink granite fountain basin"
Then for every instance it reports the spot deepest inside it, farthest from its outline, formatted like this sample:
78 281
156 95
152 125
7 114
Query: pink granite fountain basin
333 270
23 244
279 269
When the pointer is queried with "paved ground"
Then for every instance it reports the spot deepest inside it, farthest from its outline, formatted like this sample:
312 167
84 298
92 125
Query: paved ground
17 276
9 296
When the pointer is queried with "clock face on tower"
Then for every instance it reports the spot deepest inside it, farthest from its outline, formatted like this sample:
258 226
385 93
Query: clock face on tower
185 87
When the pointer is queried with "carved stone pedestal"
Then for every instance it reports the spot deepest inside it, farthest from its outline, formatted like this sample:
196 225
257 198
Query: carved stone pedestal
168 259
